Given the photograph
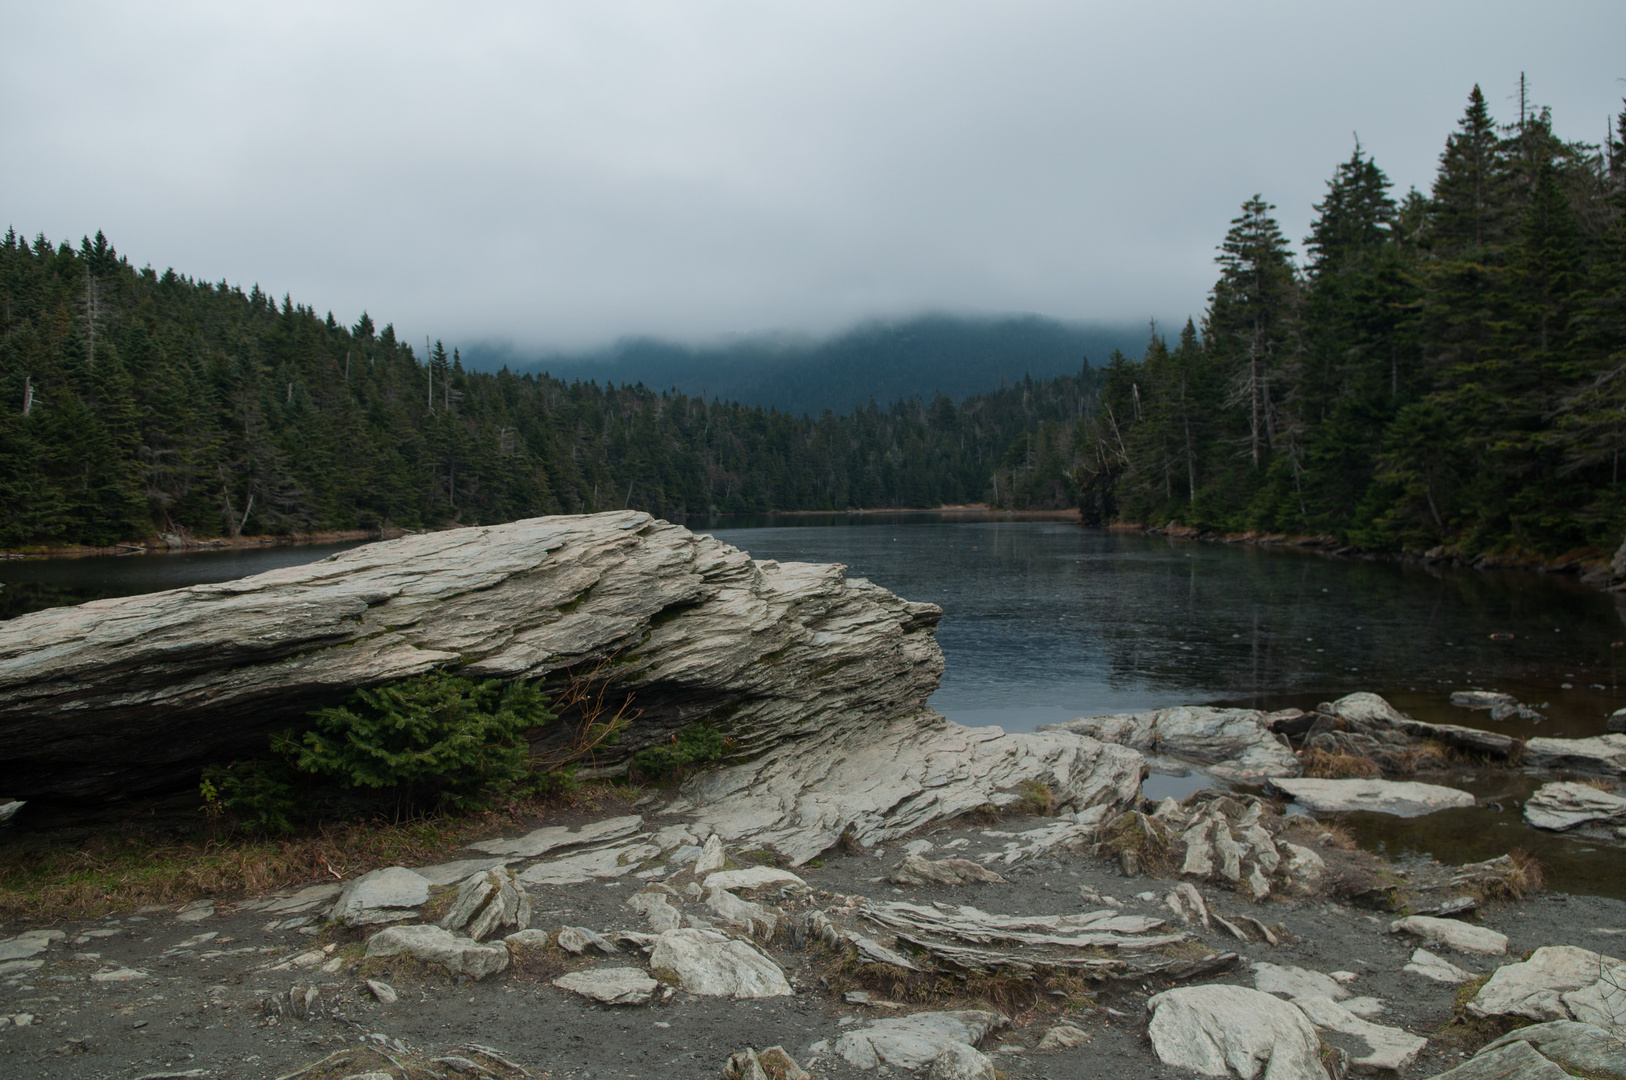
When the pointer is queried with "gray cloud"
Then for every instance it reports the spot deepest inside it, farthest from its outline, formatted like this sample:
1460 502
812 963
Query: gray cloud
559 174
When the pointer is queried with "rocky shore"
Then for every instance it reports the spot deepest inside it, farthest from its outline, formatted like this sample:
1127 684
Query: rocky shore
863 888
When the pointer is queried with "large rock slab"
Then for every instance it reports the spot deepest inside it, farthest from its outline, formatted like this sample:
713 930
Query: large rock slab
389 895
1377 1046
1581 1048
610 986
1236 744
1513 1061
1461 936
1402 798
1600 754
432 945
541 841
915 1042
1565 805
1233 1031
137 693
1536 988
710 964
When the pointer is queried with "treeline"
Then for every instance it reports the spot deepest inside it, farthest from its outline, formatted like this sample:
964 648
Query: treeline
1445 369
134 404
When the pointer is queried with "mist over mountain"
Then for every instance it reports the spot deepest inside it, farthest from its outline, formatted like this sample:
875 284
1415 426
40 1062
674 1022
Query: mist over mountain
884 361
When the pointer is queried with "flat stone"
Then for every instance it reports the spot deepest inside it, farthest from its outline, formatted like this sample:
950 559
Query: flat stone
1402 798
1386 1047
118 974
1437 968
1603 1004
1513 1061
1565 805
8 968
196 911
305 899
28 944
656 908
383 992
1295 982
1453 934
451 873
578 939
712 965
1233 1031
914 870
432 945
916 1041
753 878
961 1062
527 939
608 862
747 915
1600 754
388 895
1580 1048
1063 1037
1481 699
556 837
612 986
1236 744
1535 988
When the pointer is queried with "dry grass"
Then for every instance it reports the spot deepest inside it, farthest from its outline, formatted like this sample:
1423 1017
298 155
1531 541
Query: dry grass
1524 878
1599 783
126 869
1037 800
412 1066
1150 841
1329 766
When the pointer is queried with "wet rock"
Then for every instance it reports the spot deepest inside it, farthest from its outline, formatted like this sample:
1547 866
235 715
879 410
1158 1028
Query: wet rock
1233 1031
1366 709
1384 1047
961 1062
559 838
1460 936
1565 805
432 945
392 894
1537 988
1514 1061
915 1042
1481 699
487 902
708 963
1403 798
1438 968
914 870
1580 1048
1604 754
1236 744
611 986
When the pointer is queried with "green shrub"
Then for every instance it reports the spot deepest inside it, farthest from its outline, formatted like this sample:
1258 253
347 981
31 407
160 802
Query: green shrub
263 795
697 744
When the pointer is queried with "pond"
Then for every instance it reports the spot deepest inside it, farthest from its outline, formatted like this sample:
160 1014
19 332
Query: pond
1045 621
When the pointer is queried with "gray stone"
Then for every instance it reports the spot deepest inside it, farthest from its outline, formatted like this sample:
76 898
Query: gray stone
451 873
559 837
1581 1048
28 944
1063 1037
9 809
1384 1047
432 945
488 901
617 860
747 915
708 963
1603 1004
1295 982
1514 1061
305 899
1438 968
383 992
1565 805
612 986
196 911
1535 988
1481 699
656 908
961 1062
914 870
1599 754
1616 724
754 878
389 895
712 858
578 939
1460 936
1233 1031
1236 744
527 939
915 1042
1366 709
1403 798
772 1064
9 968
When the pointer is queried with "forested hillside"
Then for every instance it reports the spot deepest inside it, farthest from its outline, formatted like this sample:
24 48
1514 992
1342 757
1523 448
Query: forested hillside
1446 368
134 403
884 361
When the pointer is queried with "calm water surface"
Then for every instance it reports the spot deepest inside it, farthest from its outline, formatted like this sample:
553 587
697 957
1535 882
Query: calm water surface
1045 621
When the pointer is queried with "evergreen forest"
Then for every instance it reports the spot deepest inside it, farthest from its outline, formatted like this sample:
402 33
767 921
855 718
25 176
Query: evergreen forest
1445 368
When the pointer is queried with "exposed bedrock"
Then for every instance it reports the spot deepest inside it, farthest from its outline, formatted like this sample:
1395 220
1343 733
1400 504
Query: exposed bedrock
136 693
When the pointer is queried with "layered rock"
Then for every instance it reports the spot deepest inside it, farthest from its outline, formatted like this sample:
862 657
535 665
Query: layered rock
137 693
1236 744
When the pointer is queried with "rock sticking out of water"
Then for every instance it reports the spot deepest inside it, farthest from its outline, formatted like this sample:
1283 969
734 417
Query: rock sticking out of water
1402 798
1235 744
1565 805
1605 754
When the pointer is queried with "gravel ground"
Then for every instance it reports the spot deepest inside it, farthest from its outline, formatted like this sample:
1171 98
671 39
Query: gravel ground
198 1008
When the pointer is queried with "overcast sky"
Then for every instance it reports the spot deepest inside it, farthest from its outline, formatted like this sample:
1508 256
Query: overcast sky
559 175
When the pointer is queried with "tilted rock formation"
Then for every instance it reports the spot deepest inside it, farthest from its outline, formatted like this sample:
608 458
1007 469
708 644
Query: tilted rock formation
137 693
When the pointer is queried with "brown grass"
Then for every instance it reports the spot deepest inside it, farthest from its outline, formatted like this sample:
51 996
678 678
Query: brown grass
127 868
1599 783
1525 878
1142 835
1324 765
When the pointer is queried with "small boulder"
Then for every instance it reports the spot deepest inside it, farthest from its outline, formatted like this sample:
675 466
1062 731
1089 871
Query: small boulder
915 1042
712 857
961 1062
655 907
747 915
1438 968
1599 754
611 986
1565 805
708 963
754 878
383 992
392 894
1536 988
1402 798
576 940
1063 1037
1233 1031
772 1064
1581 1048
488 901
1460 936
914 870
433 945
